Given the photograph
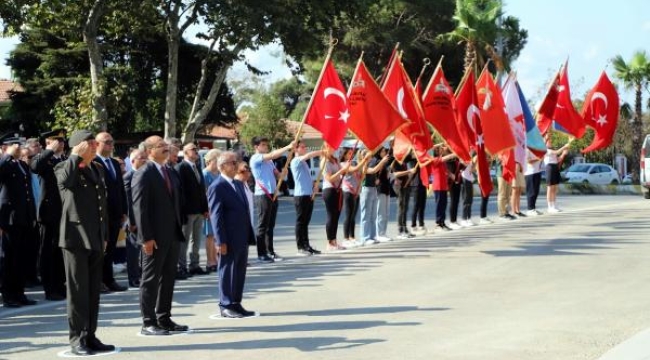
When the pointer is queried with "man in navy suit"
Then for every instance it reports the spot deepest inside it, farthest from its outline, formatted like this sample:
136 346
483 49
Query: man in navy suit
234 232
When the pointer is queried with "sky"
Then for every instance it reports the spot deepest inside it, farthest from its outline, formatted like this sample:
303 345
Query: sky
588 33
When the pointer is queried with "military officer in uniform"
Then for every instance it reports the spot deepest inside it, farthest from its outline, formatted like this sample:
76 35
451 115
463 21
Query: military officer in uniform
83 237
17 220
49 215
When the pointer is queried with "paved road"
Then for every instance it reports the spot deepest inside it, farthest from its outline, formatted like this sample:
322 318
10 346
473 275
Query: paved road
566 286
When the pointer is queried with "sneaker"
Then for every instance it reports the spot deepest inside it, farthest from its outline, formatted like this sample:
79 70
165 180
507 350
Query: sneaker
467 223
485 221
313 251
349 244
382 239
520 214
370 242
443 227
553 210
303 252
335 247
455 226
532 212
275 256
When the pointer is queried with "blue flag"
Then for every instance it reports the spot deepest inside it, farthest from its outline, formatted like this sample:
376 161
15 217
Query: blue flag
534 140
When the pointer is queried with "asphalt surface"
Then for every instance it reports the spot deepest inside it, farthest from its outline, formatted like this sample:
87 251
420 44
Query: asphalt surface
572 285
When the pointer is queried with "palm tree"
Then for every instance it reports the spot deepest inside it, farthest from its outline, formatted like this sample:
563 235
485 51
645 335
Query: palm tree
486 33
635 75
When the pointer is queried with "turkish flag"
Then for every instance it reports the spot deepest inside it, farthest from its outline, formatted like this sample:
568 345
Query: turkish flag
565 114
600 111
468 114
496 126
516 119
399 90
439 106
329 112
372 117
547 108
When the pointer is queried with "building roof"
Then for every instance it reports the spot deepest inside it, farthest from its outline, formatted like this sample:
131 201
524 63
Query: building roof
223 132
308 132
6 88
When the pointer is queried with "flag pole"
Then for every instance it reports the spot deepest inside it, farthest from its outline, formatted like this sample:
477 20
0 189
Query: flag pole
425 64
438 66
382 78
332 43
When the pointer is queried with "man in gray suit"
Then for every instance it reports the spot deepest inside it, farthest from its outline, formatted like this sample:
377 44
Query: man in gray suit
156 209
83 236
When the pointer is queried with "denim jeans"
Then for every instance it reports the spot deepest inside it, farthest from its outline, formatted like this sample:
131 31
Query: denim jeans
383 203
368 213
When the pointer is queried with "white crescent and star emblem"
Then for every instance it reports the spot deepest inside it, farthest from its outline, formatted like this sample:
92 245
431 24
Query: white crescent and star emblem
471 110
600 119
343 115
400 102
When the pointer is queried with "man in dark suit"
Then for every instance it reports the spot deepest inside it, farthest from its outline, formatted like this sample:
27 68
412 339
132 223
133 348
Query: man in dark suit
233 232
116 205
83 235
194 212
17 220
156 208
49 215
133 270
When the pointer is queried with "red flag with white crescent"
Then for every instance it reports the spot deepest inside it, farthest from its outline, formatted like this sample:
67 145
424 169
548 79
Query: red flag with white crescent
329 111
600 112
565 114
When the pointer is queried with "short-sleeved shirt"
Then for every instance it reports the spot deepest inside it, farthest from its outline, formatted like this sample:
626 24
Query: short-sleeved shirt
397 167
303 183
331 168
439 171
369 179
350 180
263 172
533 167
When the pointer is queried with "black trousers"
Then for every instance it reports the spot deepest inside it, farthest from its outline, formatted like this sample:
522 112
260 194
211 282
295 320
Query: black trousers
351 204
267 210
157 284
441 206
468 198
32 254
16 244
332 198
109 252
304 208
51 260
454 193
133 258
419 205
533 183
83 272
402 207
484 204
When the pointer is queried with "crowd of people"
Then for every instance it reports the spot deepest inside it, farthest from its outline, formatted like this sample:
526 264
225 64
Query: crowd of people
61 215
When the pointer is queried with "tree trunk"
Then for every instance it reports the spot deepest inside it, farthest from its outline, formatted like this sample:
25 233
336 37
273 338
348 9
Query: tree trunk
470 55
637 134
100 115
194 123
173 42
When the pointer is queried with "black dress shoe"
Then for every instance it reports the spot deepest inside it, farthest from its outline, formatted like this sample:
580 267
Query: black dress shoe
134 284
153 330
181 275
114 286
82 350
240 309
231 313
8 303
54 297
169 325
313 251
197 271
97 345
26 301
265 259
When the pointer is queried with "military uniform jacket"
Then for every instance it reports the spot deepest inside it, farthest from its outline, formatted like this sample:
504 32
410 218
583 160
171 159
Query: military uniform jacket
16 199
83 195
49 206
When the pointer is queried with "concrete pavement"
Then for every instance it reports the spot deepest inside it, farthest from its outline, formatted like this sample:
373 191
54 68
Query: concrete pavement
565 286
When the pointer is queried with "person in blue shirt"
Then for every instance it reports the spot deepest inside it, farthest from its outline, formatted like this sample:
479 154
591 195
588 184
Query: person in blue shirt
266 207
302 197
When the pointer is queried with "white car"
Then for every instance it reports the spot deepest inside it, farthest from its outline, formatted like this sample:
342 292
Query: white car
644 174
591 173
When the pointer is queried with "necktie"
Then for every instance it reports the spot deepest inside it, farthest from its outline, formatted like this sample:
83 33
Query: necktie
196 173
109 167
168 182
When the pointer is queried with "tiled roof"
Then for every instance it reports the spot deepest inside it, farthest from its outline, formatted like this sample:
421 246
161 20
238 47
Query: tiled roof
308 132
6 87
223 132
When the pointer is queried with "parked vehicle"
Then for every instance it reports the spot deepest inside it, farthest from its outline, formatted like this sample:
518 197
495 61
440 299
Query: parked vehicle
644 174
591 173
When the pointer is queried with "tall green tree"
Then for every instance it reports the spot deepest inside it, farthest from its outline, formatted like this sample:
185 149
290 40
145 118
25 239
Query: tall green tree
634 75
486 32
